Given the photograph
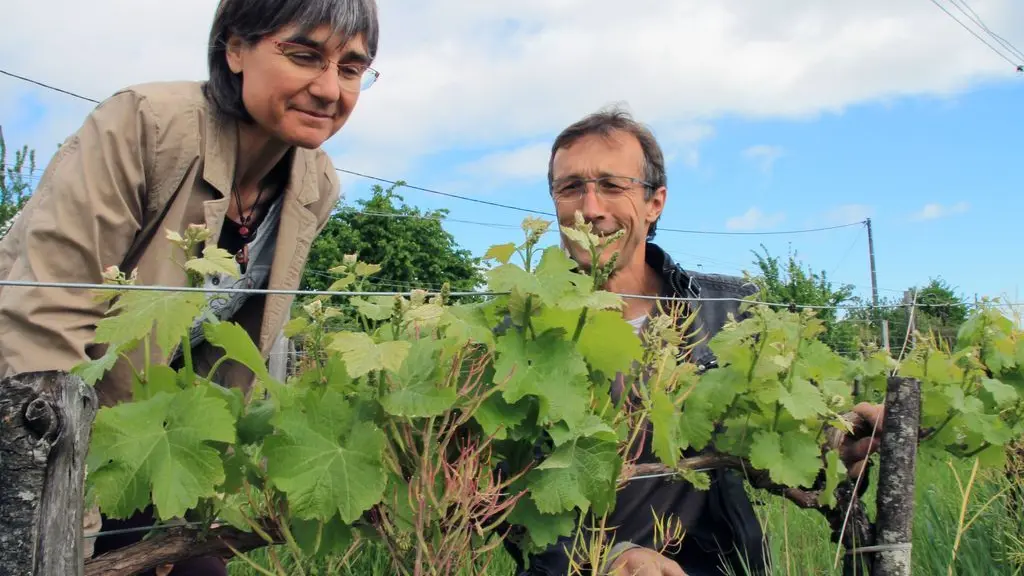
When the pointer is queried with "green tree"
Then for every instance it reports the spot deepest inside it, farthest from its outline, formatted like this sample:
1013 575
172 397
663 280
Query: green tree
410 245
15 182
940 311
790 282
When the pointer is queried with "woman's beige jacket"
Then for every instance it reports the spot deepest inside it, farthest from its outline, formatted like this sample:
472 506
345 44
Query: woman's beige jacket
152 158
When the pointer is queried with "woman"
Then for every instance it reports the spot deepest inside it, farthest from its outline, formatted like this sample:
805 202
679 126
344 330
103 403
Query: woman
239 154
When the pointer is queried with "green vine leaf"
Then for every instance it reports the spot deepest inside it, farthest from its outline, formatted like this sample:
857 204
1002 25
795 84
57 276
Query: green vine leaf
238 346
419 389
363 355
790 459
325 460
467 324
501 252
543 529
137 311
607 342
835 471
92 371
580 474
215 261
159 446
548 368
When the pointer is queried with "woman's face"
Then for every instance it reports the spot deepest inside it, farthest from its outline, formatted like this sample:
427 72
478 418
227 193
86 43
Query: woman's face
301 88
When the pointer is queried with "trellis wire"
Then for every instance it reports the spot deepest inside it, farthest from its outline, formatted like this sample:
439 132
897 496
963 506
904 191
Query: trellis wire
471 293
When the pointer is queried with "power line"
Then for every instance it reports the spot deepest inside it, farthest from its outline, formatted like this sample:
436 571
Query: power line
760 233
1018 67
964 8
488 202
48 87
447 194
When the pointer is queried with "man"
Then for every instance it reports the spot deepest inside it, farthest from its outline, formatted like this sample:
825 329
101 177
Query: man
612 170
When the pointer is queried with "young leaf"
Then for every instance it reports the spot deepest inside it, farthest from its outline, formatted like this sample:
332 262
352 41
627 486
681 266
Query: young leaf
92 371
157 379
607 341
138 310
362 354
835 471
376 309
419 389
215 261
501 252
296 326
238 346
665 418
467 324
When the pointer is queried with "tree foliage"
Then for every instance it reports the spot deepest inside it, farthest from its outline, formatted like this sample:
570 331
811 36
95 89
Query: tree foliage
411 246
790 282
939 311
15 182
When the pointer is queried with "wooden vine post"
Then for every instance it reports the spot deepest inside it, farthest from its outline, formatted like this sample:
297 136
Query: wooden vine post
45 422
897 468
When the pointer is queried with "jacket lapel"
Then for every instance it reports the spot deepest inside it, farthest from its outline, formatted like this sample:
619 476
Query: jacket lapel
221 149
296 228
294 237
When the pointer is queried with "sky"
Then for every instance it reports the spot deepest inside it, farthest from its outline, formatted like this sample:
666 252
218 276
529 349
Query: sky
774 116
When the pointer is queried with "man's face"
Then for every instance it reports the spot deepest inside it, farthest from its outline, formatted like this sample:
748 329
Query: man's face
617 208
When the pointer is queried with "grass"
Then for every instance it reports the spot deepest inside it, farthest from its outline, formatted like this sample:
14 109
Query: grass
991 545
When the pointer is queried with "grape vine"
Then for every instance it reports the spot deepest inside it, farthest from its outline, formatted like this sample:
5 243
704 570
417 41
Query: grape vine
432 426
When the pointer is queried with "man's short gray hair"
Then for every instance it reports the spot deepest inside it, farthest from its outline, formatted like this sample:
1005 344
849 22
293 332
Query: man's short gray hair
252 20
606 122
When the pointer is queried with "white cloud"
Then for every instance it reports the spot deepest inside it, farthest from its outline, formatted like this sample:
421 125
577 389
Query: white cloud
522 163
754 219
935 211
764 155
847 213
683 141
459 74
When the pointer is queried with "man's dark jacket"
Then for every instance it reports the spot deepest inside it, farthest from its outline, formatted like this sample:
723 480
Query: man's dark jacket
719 522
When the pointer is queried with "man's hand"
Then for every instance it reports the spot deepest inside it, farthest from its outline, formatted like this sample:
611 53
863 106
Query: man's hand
854 449
644 562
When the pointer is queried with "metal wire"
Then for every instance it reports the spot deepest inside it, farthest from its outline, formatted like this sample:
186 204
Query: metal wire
483 294
143 529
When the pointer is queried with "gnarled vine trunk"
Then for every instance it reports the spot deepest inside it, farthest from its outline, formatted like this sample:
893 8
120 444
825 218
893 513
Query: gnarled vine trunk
45 422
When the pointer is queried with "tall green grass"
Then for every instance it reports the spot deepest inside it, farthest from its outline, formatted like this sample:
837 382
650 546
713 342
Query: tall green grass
993 545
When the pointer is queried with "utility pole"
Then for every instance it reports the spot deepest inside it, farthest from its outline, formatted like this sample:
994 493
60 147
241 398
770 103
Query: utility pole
874 286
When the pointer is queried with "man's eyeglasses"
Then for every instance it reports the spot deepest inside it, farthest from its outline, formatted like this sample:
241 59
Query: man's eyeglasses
610 187
353 77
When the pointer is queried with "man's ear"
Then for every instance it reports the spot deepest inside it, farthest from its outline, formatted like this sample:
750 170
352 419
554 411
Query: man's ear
656 204
233 54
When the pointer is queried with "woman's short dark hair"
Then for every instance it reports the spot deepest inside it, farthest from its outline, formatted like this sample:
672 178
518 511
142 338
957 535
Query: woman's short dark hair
605 123
252 20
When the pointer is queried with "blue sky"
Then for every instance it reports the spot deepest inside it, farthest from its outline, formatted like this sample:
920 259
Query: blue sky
887 161
774 116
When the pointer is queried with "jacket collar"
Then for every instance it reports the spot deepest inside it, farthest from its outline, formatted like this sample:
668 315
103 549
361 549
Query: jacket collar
675 280
678 283
221 153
